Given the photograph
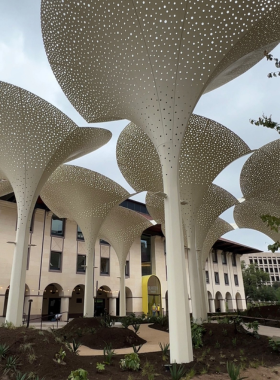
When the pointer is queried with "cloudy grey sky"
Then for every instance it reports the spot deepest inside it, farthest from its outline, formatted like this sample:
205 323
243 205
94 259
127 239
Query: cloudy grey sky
23 63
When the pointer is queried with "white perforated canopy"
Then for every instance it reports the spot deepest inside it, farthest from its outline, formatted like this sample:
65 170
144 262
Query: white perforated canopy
248 215
149 62
5 187
260 175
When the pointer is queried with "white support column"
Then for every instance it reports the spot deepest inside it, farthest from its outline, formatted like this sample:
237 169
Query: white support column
194 280
18 274
122 291
202 286
179 317
222 305
212 306
89 282
112 306
64 308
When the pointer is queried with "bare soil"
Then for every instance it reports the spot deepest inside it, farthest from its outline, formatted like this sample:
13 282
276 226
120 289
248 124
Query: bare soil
221 343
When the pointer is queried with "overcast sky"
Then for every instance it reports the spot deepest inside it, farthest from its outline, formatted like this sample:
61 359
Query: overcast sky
23 63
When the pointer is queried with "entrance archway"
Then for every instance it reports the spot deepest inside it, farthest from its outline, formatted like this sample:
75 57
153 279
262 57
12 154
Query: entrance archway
238 301
151 294
211 303
101 302
229 304
76 302
51 301
219 303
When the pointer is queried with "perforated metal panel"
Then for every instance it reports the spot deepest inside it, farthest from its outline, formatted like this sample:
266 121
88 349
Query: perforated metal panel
35 138
247 215
120 228
218 229
82 195
149 61
260 175
215 202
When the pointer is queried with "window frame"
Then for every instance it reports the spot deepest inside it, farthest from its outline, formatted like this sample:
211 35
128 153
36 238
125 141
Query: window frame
226 277
77 236
102 273
127 266
217 278
207 278
61 258
224 258
77 271
63 226
214 256
236 281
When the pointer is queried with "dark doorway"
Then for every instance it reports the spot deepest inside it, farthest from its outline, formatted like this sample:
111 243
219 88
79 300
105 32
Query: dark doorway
54 307
99 306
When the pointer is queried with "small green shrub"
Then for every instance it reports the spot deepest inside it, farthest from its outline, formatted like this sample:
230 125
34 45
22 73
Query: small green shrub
137 349
130 361
177 372
20 376
165 351
136 327
12 362
234 342
59 356
148 370
75 347
217 345
100 367
275 345
126 322
4 349
234 371
197 332
108 353
78 374
8 325
31 357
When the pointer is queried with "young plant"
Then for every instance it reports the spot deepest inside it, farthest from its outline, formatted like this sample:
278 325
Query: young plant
12 362
197 331
136 327
31 357
130 361
148 370
108 353
165 351
217 345
191 374
137 349
20 376
4 349
8 325
234 342
59 356
177 372
234 371
75 347
100 367
78 374
126 322
274 344
26 347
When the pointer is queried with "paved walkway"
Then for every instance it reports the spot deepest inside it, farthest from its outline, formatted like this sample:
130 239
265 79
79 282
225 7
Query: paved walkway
152 336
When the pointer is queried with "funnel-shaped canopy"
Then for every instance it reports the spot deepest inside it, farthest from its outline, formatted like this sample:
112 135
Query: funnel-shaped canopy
120 228
248 215
150 62
260 175
216 201
82 195
218 229
35 138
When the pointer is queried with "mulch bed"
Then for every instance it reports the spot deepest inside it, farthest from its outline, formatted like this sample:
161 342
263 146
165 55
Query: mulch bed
90 333
218 348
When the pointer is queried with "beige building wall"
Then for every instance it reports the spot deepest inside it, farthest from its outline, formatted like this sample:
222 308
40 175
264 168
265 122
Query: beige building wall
45 286
267 261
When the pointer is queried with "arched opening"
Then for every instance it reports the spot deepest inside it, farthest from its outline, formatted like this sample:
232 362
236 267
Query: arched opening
238 301
51 301
219 303
76 302
101 302
151 295
229 304
128 295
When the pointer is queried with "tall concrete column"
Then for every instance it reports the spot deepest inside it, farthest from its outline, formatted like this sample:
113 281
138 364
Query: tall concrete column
122 291
181 349
212 306
89 282
18 274
64 308
222 305
112 306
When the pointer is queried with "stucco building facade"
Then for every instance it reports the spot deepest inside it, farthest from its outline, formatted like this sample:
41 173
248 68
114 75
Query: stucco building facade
57 263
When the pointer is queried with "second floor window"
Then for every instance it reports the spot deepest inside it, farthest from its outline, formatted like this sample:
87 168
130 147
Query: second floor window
233 260
55 261
104 265
126 269
226 278
224 258
81 263
236 280
57 226
80 235
216 275
207 276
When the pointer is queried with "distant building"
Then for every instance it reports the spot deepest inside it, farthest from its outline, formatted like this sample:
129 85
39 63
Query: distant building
267 261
